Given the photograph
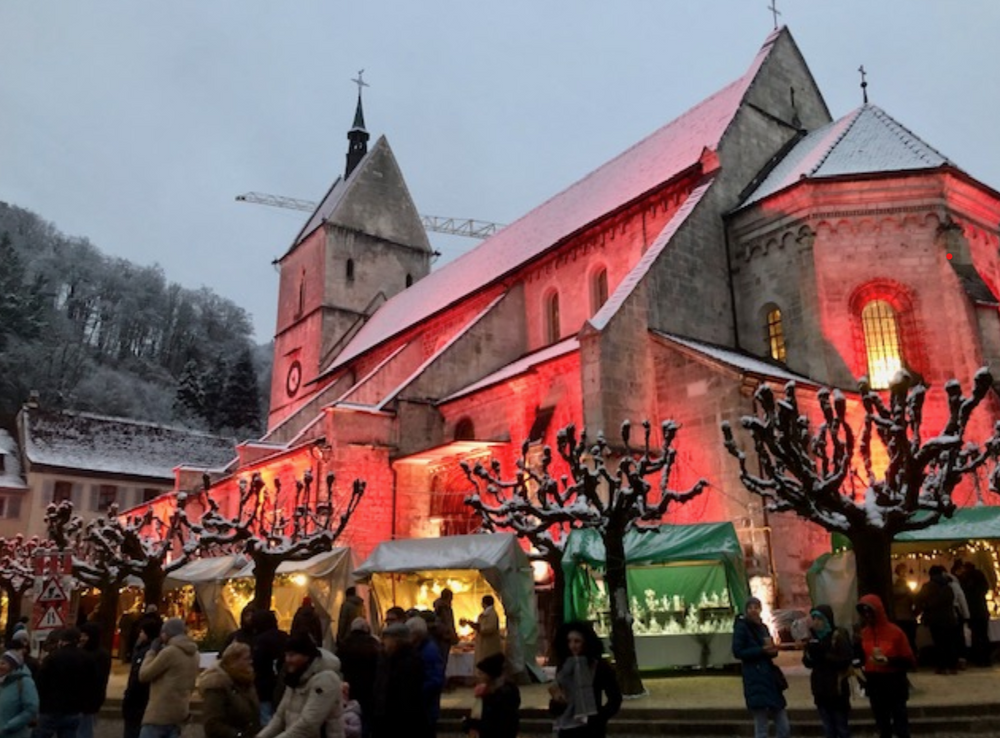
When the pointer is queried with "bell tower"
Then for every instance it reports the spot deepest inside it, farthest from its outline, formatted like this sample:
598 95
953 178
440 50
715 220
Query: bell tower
363 244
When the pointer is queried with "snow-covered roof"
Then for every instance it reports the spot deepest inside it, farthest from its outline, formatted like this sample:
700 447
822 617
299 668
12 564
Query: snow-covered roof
10 469
738 360
865 141
522 365
99 444
654 161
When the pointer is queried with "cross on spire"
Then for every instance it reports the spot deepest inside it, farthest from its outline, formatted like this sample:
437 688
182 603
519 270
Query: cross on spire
864 83
360 82
773 7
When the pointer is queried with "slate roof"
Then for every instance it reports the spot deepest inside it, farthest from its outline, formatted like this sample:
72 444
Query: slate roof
655 160
10 474
98 444
865 141
742 362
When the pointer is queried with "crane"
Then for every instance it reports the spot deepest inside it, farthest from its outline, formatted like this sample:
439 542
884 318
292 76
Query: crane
468 227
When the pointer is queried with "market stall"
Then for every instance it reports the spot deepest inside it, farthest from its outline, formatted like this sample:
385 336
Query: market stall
971 534
412 573
223 586
685 583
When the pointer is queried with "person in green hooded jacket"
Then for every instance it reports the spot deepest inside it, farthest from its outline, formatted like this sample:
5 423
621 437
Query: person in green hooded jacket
18 697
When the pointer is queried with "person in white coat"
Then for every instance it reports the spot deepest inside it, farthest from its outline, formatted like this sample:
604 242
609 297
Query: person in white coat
311 706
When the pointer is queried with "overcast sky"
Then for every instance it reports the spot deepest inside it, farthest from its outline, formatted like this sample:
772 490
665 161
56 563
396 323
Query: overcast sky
136 124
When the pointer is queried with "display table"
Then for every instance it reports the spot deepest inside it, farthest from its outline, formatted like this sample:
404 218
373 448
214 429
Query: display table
461 665
696 649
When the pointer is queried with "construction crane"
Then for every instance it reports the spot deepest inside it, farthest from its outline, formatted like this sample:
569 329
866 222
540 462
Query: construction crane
467 227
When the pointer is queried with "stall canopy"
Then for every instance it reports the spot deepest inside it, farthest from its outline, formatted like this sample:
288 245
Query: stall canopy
497 558
704 557
223 586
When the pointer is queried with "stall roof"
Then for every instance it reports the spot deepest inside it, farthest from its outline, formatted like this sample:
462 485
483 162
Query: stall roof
968 523
499 550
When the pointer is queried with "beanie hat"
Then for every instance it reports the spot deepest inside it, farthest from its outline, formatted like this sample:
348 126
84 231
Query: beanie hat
172 628
303 644
752 601
360 624
20 636
397 630
492 666
13 658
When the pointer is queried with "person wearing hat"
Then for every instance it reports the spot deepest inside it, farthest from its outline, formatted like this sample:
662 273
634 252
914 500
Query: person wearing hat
398 707
497 702
829 654
359 654
311 705
18 697
763 682
170 668
887 658
136 695
21 642
432 668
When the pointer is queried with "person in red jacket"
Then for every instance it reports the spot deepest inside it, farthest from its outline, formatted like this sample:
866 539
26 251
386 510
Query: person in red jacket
887 658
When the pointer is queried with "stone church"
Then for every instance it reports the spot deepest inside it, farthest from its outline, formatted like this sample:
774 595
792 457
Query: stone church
753 239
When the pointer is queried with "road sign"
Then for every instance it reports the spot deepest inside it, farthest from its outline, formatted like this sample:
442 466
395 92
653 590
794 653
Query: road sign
51 592
50 619
53 571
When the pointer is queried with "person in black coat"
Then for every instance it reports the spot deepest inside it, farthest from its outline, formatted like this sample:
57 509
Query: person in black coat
586 694
94 691
936 602
306 620
359 655
399 708
136 695
495 713
976 586
243 634
268 657
763 688
61 700
829 654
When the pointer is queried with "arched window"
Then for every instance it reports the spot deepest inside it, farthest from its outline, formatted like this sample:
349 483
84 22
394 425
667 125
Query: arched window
350 270
775 334
883 347
409 280
465 430
598 289
552 317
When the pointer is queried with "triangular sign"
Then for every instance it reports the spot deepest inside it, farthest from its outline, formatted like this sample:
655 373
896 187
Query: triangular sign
52 592
50 620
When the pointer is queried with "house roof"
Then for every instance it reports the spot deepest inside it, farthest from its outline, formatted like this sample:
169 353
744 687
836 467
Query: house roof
865 141
97 444
654 161
10 470
734 359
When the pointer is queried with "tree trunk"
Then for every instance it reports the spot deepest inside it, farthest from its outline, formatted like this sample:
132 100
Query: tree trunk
153 577
265 568
873 554
107 614
622 637
557 607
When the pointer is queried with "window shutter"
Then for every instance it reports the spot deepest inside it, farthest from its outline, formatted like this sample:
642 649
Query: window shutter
76 496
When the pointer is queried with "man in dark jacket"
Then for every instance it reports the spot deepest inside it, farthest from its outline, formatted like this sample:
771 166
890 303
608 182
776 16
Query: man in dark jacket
936 601
359 654
976 587
61 699
136 695
268 656
306 620
432 669
96 690
399 710
829 654
353 607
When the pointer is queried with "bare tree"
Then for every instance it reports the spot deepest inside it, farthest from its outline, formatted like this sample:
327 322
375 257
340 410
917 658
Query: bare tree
805 472
612 501
16 573
271 537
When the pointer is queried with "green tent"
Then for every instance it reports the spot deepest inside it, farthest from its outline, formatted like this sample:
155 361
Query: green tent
690 559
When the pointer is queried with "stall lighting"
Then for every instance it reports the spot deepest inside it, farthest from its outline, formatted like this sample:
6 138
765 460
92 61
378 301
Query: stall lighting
300 580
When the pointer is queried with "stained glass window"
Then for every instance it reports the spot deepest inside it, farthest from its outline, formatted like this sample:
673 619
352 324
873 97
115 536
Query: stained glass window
882 343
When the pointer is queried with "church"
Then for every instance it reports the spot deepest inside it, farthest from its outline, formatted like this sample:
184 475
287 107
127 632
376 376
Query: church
755 239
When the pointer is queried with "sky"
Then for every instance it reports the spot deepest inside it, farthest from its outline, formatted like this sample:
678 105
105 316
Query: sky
136 124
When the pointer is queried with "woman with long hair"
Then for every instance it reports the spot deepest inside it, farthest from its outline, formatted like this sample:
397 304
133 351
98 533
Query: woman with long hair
586 693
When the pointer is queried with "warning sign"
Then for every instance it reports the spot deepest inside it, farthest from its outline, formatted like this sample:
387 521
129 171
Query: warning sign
52 591
50 619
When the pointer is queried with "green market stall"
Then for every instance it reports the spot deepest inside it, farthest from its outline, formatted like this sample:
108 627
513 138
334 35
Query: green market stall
685 584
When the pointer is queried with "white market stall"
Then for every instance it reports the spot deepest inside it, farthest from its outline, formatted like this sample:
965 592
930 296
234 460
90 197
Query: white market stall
224 585
412 573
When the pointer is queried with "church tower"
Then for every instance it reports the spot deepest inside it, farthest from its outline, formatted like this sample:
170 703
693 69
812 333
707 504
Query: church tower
363 244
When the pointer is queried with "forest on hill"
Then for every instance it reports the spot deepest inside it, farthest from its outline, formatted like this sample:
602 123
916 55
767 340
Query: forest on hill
101 334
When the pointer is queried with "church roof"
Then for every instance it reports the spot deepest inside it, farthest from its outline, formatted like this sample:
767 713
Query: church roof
97 444
735 359
866 141
654 161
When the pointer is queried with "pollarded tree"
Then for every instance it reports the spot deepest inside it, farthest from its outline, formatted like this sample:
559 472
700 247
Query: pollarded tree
805 472
611 501
16 573
270 537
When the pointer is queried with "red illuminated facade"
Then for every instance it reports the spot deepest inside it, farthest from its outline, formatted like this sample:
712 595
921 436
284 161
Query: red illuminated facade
656 288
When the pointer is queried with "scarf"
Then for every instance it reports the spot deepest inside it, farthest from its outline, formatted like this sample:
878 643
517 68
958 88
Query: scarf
576 678
826 629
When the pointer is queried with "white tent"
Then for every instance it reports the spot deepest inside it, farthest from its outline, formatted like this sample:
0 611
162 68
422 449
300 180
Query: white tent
323 578
497 558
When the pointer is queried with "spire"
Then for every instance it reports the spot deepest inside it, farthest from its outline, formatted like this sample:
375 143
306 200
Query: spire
357 137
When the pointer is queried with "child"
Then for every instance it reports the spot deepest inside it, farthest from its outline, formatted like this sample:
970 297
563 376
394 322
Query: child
352 713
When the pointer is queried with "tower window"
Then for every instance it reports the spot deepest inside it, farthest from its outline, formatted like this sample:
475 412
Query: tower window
350 270
302 294
599 289
883 347
552 317
775 335
409 280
